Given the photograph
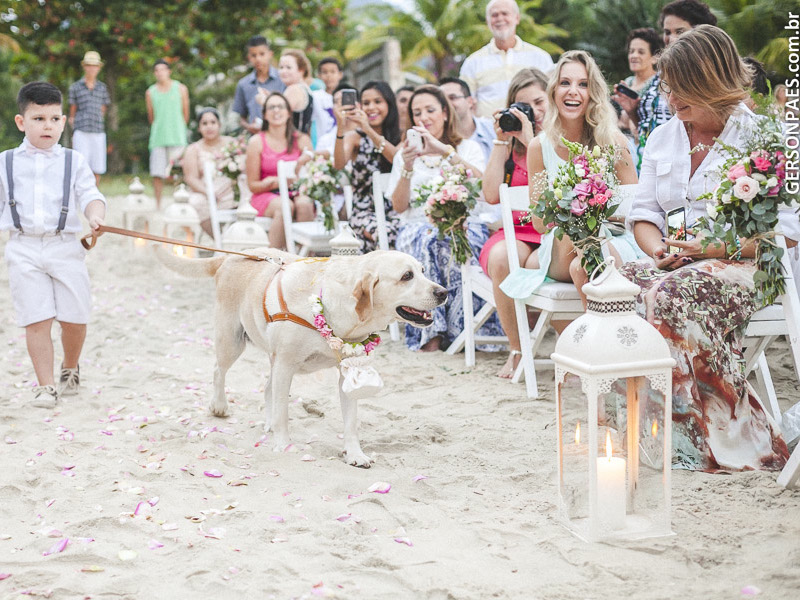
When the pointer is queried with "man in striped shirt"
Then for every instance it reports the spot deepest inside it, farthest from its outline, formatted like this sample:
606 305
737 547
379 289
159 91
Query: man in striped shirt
488 71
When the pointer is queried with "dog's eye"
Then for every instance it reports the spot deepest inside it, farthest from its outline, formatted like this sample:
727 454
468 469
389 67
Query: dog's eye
407 276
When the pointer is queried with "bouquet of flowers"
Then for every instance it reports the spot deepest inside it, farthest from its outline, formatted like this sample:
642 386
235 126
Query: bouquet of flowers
321 183
230 163
746 202
447 201
579 199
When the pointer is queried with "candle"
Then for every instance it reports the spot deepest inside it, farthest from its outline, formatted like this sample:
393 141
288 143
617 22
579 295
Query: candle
610 489
139 242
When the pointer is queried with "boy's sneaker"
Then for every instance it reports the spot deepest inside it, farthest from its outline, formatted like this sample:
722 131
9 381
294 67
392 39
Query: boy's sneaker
45 396
70 381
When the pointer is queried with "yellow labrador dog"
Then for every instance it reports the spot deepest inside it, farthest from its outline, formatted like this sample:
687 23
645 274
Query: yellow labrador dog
361 295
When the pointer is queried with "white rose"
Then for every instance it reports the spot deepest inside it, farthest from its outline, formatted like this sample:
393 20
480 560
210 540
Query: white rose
745 188
711 210
760 178
772 182
580 172
726 198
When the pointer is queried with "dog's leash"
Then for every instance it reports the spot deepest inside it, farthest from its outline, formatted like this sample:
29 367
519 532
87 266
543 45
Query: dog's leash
88 241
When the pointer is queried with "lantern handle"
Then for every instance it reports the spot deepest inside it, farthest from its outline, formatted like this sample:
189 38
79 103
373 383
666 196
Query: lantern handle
609 261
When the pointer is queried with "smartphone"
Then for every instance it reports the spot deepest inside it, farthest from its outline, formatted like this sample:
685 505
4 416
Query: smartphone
676 227
414 138
349 97
626 91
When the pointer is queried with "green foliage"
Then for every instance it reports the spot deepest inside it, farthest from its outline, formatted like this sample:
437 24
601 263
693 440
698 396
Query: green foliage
9 134
200 37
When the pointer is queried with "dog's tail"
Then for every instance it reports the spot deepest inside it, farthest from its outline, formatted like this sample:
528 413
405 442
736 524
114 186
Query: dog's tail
190 267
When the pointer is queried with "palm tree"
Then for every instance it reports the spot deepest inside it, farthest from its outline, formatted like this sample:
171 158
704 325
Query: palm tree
445 31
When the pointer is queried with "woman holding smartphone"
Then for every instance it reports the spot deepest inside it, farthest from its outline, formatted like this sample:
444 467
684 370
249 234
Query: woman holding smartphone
370 149
433 139
700 303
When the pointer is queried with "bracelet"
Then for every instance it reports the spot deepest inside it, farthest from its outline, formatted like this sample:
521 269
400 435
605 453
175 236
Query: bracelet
406 174
308 152
339 137
382 146
738 254
500 142
451 152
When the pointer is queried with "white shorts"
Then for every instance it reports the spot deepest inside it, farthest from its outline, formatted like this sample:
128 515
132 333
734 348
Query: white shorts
160 158
48 278
94 149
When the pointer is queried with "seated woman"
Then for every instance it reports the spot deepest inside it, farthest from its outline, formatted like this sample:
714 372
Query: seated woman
579 111
699 302
197 156
278 141
508 164
370 148
294 70
434 119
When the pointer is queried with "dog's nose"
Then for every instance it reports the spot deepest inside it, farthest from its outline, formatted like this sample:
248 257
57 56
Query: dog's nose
440 294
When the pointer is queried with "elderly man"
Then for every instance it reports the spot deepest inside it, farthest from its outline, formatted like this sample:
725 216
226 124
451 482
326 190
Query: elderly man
470 127
488 71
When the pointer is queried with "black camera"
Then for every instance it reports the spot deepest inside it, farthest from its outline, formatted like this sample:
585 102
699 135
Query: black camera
509 122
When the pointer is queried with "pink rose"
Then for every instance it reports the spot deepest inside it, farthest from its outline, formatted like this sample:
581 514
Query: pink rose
583 189
774 191
736 171
745 188
578 207
599 199
581 161
319 321
762 164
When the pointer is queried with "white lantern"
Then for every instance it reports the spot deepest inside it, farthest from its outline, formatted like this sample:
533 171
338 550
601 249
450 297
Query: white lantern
244 233
138 207
345 243
181 219
613 374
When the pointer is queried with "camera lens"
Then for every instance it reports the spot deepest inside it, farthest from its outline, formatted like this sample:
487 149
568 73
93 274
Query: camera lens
508 122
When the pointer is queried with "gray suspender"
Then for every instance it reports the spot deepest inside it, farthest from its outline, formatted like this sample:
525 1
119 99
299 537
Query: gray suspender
12 204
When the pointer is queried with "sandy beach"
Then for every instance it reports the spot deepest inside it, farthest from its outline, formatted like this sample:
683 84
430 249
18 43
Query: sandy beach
132 490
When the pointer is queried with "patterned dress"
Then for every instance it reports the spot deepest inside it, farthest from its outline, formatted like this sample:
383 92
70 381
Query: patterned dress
653 111
363 220
702 310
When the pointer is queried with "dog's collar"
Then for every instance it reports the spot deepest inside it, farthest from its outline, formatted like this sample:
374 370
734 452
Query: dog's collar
342 348
284 314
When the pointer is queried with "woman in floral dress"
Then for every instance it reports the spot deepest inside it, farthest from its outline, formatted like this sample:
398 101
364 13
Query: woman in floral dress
370 149
700 302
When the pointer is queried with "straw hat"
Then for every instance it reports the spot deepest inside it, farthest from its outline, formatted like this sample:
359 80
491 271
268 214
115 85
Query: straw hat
92 59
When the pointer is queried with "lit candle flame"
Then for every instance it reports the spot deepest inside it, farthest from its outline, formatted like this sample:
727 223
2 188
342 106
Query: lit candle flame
578 433
608 445
178 250
654 429
139 242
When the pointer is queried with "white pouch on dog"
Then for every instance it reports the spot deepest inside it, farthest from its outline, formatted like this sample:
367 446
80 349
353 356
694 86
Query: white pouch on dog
360 379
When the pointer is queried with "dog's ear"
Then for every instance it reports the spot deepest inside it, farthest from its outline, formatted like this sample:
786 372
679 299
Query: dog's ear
363 293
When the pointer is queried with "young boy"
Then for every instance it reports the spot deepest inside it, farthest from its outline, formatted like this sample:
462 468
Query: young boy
331 73
252 90
43 187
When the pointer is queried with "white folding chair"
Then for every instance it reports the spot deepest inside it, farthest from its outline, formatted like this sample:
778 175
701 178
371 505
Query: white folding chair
310 236
380 181
218 217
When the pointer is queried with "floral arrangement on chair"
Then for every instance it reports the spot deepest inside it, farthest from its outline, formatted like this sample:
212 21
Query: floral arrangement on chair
447 201
746 202
578 201
230 163
320 182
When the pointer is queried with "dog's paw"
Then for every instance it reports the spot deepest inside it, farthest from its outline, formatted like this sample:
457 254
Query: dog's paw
219 410
358 459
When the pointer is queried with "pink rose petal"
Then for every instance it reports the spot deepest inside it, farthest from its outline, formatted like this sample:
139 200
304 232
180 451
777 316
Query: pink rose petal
417 478
380 487
154 545
403 540
308 458
750 590
212 473
4 576
153 501
10 441
143 509
276 518
57 547
343 518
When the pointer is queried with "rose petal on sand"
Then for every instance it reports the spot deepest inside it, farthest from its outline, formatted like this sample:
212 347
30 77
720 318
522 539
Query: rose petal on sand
10 441
169 526
216 533
154 545
380 487
143 508
277 518
343 518
153 501
92 569
403 540
4 576
278 540
51 532
417 478
212 473
750 590
127 555
57 547
308 458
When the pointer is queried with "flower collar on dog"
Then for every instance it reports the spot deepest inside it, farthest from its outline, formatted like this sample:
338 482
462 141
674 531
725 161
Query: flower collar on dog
337 344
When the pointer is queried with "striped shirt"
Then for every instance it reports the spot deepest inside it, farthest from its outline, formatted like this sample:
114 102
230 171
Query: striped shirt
89 103
488 72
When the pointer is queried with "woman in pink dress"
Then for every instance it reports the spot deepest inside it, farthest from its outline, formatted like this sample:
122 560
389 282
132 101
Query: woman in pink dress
508 164
278 141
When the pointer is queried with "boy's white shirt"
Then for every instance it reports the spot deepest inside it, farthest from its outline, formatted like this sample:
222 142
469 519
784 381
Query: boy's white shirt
39 188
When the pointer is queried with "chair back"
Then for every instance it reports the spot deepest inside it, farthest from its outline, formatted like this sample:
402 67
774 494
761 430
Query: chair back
286 171
209 169
380 181
511 199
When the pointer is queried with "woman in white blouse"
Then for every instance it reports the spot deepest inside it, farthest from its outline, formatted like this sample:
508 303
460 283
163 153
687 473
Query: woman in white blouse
702 306
434 120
